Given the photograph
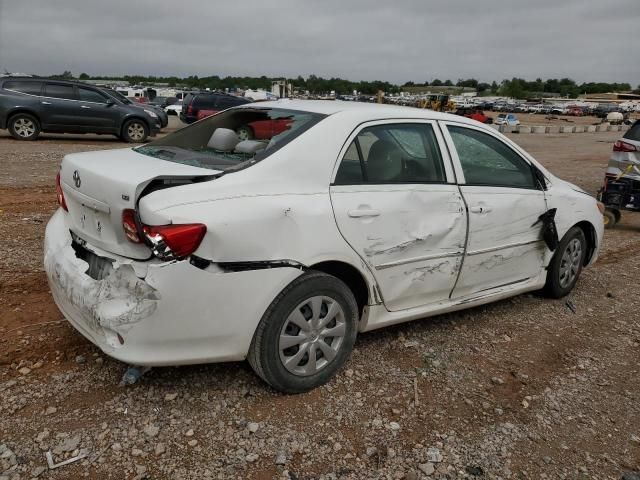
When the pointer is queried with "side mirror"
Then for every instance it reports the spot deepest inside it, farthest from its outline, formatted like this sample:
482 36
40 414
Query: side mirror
110 103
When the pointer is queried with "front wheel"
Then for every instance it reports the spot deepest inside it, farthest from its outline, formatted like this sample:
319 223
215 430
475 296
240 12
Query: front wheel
306 335
566 265
135 131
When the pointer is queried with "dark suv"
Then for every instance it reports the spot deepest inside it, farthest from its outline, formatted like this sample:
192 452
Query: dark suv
30 105
197 106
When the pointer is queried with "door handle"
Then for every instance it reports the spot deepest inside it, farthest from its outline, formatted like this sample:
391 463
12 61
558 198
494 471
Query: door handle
84 106
45 103
363 213
480 209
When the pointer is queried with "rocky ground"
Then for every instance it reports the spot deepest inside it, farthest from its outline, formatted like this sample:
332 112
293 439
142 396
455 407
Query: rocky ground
527 388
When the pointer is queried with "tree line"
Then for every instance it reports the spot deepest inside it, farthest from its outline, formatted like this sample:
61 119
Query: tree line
516 87
521 88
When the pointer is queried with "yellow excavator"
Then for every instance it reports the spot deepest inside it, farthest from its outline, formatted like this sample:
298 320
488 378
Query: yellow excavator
437 102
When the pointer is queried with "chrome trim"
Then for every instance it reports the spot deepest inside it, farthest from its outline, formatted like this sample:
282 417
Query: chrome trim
503 247
382 266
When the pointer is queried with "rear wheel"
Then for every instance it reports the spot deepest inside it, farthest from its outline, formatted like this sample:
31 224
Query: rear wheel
306 335
24 127
135 131
566 264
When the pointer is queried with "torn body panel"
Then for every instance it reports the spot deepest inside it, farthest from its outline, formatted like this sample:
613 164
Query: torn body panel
174 314
505 238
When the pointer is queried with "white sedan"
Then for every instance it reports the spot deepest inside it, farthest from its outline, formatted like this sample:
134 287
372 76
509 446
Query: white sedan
337 218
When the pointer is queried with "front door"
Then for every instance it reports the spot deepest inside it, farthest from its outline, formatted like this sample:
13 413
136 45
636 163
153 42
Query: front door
504 199
397 205
96 115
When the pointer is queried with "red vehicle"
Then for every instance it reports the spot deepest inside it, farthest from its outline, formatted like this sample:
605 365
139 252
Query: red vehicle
475 114
575 111
264 129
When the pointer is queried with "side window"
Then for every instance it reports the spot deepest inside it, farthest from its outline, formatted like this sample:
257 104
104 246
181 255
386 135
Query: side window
393 153
207 102
56 90
485 160
32 88
350 171
88 95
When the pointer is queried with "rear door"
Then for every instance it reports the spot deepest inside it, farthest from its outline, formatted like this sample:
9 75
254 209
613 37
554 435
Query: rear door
504 200
95 114
396 203
61 110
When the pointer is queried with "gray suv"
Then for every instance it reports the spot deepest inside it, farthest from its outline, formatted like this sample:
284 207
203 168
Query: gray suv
29 106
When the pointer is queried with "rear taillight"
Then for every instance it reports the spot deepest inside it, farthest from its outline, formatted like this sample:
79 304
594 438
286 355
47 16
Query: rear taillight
60 194
168 242
621 146
189 110
129 226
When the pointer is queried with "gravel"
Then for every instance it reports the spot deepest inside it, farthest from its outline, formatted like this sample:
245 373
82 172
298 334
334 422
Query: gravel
521 389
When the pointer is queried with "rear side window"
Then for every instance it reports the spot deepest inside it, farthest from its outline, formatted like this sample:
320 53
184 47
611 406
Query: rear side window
634 132
32 88
89 95
215 142
57 90
393 153
485 160
206 101
228 102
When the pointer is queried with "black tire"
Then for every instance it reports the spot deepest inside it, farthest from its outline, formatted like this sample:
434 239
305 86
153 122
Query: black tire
245 133
566 264
23 126
609 218
265 354
135 131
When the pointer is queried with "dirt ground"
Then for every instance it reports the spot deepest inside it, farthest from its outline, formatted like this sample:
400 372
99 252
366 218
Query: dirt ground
525 388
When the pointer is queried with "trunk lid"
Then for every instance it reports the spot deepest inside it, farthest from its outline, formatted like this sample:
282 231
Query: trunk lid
98 186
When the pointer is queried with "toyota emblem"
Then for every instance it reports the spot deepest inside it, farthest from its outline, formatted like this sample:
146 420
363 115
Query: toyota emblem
76 179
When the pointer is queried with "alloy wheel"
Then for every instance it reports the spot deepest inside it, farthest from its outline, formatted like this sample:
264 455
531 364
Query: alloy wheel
24 127
135 131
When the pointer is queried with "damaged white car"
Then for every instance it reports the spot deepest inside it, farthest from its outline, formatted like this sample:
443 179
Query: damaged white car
327 219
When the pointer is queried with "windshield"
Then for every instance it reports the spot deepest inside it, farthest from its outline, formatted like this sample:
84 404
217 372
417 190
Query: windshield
233 139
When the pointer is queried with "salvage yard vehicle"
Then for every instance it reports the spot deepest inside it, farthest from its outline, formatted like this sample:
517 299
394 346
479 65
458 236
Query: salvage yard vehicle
197 106
621 189
29 106
202 247
507 119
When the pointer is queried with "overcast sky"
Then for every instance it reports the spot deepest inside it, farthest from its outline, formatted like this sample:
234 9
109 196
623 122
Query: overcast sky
394 40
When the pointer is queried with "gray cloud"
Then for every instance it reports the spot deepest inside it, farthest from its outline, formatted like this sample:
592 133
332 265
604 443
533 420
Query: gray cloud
357 39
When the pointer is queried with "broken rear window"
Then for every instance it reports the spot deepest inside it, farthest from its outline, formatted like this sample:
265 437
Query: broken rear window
232 139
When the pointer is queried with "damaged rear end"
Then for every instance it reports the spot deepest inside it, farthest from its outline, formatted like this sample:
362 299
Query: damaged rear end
131 284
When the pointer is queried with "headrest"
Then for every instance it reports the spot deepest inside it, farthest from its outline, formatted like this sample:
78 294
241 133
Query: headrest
249 146
223 140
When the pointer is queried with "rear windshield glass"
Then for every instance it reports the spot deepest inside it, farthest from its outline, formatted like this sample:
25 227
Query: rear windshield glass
634 132
232 139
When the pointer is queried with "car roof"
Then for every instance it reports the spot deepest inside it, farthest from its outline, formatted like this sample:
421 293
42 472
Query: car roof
331 107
